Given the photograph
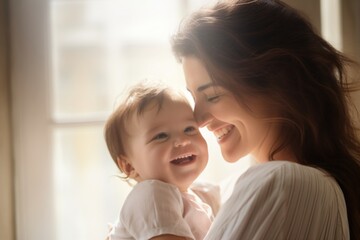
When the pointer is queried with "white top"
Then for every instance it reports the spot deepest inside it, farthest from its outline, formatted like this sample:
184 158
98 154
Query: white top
282 200
154 208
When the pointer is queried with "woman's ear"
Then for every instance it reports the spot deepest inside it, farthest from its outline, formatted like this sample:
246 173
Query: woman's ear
125 166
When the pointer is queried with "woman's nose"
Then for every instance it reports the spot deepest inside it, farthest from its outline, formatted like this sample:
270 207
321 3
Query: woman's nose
202 117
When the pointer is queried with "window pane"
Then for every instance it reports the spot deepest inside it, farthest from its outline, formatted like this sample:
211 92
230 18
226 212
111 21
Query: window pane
101 46
88 192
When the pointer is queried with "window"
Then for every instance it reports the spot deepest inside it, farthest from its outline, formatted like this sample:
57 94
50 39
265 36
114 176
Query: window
71 61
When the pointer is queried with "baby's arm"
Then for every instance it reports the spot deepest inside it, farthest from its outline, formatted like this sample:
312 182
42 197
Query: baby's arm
209 193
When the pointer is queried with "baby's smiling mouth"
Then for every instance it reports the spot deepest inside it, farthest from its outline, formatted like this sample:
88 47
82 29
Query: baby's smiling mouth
184 159
219 134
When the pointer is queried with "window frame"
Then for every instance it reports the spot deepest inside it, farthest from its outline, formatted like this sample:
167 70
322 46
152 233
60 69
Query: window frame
30 66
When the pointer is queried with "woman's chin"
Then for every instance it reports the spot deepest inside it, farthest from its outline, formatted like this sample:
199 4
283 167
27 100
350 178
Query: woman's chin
231 157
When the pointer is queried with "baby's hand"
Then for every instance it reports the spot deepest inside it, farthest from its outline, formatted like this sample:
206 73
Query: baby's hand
110 227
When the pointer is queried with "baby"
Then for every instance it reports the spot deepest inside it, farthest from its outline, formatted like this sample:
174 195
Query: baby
154 139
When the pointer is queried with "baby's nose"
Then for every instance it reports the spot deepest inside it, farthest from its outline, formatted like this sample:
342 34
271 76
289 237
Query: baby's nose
181 142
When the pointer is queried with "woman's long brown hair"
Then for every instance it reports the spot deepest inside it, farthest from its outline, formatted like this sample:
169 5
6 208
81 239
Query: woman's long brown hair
267 49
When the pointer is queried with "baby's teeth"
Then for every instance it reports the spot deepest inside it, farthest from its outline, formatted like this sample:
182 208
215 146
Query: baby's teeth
185 156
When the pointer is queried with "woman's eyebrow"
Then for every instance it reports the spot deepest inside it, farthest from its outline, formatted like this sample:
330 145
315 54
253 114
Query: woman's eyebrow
202 87
205 86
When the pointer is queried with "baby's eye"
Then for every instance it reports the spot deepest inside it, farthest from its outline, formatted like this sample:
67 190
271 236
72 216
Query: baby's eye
160 136
191 130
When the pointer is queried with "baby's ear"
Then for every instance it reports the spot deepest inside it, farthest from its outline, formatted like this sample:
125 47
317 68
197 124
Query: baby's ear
125 166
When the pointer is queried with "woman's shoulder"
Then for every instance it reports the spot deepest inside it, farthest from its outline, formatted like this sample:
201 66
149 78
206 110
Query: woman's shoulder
281 197
289 178
285 169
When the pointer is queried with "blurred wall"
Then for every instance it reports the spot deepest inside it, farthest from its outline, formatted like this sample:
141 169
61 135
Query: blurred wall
350 17
351 28
350 31
7 227
351 40
310 8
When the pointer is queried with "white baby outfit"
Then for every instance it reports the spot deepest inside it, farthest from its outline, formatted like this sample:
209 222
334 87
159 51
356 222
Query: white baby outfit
155 208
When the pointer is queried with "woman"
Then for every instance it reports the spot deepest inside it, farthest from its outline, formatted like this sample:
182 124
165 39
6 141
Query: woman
266 84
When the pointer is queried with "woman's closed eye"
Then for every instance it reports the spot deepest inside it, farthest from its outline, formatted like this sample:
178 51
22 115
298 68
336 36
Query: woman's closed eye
213 99
214 94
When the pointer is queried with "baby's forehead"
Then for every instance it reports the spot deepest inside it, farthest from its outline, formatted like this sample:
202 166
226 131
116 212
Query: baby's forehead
170 110
165 104
176 98
143 108
169 96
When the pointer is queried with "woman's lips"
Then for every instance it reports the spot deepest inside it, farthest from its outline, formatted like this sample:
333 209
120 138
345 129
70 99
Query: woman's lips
223 132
